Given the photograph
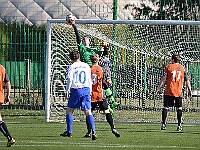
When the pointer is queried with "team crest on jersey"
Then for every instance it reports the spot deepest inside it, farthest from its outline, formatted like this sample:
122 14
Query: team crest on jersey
94 71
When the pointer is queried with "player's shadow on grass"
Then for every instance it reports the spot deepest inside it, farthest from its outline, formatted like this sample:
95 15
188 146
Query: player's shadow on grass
148 130
49 136
183 132
176 132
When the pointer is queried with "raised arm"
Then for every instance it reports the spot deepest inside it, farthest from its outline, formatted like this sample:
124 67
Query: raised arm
70 19
105 48
78 38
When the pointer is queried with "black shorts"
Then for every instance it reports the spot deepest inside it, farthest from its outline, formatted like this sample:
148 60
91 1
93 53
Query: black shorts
101 105
170 101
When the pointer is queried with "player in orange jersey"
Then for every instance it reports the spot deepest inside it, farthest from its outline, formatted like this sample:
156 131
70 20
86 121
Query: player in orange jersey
174 75
98 97
5 79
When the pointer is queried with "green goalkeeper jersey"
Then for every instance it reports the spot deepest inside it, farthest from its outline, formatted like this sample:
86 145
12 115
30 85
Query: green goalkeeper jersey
85 53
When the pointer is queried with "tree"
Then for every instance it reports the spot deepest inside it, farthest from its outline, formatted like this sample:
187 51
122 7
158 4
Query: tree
166 10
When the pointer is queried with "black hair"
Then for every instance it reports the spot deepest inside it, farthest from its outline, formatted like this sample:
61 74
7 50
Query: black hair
74 55
176 57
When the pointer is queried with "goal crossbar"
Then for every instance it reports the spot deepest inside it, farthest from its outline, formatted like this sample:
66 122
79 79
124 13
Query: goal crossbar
146 22
134 49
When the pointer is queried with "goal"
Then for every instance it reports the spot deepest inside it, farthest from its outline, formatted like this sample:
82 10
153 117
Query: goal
139 50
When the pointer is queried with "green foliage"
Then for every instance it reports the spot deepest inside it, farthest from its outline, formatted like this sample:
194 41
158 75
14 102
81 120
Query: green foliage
166 10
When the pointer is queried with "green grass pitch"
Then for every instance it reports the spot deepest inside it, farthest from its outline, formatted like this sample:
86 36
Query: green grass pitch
35 134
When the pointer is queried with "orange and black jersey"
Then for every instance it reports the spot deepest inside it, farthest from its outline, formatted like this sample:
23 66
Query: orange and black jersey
97 78
3 78
176 75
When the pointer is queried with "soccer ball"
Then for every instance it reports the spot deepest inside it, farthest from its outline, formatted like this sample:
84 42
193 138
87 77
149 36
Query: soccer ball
70 18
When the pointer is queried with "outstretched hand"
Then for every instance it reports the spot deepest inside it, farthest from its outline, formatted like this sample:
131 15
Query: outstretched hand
158 91
190 94
70 19
7 99
104 43
66 96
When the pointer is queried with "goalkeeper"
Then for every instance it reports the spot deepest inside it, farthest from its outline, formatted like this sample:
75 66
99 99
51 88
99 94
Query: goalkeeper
105 63
85 51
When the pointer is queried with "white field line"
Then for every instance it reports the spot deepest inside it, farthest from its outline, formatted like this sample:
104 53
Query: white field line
97 145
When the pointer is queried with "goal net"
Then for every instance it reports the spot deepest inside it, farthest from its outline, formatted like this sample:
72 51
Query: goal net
139 51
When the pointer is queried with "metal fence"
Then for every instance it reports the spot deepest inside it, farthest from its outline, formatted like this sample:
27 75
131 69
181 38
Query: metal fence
23 43
23 50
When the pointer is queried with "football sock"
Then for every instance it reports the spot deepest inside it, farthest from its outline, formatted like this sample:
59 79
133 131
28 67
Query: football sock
179 116
69 122
164 115
90 119
4 130
110 120
88 126
111 110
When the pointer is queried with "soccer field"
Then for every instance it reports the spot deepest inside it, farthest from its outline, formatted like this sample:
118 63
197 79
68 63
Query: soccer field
35 134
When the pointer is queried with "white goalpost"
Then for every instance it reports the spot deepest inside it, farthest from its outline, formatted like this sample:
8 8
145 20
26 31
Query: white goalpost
139 49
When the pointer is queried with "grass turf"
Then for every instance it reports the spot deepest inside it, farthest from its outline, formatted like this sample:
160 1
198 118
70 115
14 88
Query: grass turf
35 134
